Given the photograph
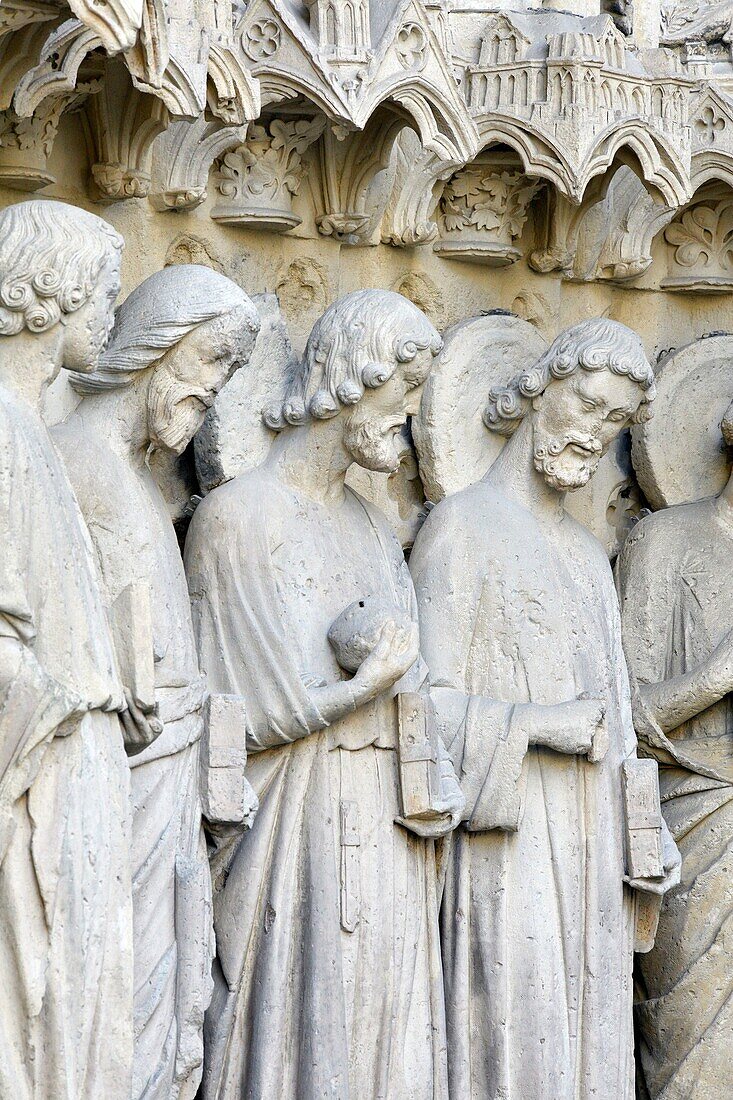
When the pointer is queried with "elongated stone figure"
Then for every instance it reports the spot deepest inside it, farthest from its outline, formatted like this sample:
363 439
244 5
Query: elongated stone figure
327 978
177 339
676 606
65 904
520 629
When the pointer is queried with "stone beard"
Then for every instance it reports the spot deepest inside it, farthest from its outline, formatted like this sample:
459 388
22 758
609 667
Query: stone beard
177 339
326 911
537 923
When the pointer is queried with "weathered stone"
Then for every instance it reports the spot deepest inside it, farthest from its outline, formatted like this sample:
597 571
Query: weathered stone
177 339
519 628
579 153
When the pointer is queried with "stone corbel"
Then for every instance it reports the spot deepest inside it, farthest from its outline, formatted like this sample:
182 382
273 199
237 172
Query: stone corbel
483 211
350 163
26 143
700 244
182 157
257 181
416 187
608 237
123 124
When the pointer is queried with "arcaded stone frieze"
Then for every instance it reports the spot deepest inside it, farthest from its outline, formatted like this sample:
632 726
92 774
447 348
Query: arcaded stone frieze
570 93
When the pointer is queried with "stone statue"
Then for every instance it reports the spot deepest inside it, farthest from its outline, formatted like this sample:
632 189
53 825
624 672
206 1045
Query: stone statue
177 339
677 609
327 978
66 939
531 692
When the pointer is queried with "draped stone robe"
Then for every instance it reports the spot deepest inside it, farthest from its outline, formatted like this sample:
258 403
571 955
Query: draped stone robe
677 604
65 907
327 980
135 542
537 925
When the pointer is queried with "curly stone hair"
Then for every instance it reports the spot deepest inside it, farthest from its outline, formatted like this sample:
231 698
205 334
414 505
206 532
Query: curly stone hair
598 344
50 258
358 343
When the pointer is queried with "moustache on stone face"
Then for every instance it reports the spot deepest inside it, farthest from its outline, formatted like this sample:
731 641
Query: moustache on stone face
554 447
175 412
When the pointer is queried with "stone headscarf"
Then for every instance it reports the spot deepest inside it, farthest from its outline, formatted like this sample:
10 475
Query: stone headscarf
157 315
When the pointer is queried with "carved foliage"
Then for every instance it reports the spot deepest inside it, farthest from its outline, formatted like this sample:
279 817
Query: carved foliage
259 179
707 20
483 211
26 143
702 237
36 132
496 201
700 241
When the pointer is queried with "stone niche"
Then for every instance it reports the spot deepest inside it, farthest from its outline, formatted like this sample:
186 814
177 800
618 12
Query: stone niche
498 176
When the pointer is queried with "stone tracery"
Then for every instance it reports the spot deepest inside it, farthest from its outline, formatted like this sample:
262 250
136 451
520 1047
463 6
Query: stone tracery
577 157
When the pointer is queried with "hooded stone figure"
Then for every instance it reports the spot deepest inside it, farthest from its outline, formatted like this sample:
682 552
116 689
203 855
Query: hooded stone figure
532 695
177 339
65 905
327 977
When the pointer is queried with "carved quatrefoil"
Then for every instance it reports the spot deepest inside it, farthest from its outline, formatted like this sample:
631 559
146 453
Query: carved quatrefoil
411 45
261 40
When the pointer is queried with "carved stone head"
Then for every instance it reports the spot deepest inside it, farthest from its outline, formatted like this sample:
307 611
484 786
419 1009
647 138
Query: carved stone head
181 334
590 383
59 266
363 356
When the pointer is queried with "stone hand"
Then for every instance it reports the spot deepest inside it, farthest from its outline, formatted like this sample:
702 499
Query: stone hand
395 652
138 729
672 868
577 727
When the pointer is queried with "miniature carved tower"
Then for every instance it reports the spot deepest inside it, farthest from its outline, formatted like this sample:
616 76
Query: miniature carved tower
341 28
